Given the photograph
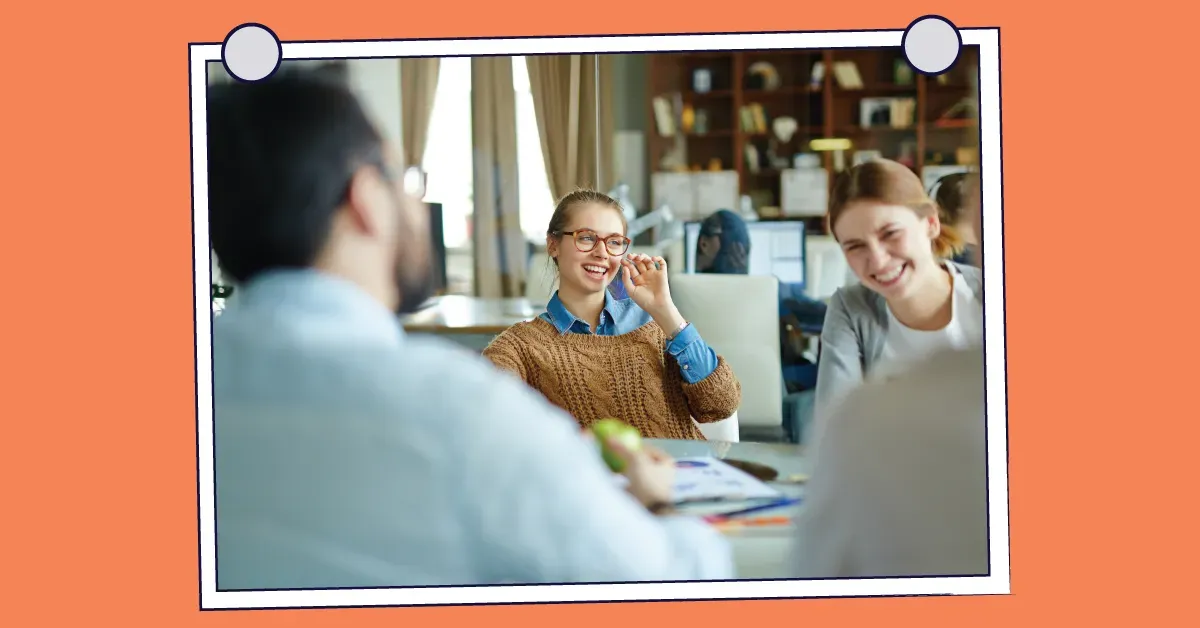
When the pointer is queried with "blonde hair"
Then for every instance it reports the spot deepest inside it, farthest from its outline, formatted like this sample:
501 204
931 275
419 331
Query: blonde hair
892 183
582 196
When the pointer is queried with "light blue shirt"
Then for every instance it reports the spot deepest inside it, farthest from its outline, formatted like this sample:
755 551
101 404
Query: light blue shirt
695 358
350 455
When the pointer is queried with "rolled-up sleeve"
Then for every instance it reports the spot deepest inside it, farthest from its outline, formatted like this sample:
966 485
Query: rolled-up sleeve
695 358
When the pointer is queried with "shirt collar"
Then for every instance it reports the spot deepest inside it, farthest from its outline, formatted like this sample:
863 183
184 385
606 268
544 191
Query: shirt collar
563 320
309 292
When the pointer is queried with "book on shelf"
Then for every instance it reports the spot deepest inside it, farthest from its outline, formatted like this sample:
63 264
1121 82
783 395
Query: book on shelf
664 117
846 74
897 113
754 118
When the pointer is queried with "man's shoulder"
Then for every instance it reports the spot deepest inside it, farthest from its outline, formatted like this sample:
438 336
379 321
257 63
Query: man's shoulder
417 374
486 404
442 364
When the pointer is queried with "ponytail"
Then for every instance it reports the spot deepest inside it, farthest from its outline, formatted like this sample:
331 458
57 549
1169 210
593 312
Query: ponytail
949 243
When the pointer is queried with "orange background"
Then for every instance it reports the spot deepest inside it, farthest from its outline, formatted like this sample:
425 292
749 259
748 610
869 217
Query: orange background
99 504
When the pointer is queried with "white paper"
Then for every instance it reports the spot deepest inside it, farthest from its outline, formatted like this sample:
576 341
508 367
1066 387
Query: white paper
709 478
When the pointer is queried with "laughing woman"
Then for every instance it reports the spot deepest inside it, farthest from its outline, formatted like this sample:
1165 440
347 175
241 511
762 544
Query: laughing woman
597 356
911 299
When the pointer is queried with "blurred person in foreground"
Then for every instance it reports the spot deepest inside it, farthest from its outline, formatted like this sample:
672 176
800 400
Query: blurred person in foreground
899 482
348 454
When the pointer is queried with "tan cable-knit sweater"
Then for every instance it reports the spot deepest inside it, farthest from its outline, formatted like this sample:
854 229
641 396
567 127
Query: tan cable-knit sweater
629 377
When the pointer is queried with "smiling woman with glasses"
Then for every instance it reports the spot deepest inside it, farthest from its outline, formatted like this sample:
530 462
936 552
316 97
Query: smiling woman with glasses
599 356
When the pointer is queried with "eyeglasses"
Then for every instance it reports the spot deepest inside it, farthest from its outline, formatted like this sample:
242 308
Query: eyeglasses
586 240
413 182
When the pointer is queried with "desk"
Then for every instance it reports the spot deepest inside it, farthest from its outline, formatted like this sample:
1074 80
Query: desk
764 552
469 321
456 314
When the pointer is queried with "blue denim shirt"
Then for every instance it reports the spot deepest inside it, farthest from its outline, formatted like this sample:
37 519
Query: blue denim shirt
620 316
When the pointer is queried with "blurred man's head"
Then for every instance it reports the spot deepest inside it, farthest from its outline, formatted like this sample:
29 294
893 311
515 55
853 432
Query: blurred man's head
298 177
724 244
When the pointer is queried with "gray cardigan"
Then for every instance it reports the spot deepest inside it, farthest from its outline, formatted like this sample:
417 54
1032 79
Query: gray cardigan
853 335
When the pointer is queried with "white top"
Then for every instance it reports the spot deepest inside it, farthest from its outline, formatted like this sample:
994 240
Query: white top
348 454
899 484
905 346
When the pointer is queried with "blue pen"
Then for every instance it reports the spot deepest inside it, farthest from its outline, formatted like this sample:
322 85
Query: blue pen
779 503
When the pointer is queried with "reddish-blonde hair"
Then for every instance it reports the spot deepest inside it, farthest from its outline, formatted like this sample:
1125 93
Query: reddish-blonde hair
891 183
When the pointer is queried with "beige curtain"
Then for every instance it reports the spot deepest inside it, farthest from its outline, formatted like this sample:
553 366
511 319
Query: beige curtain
418 86
500 248
565 102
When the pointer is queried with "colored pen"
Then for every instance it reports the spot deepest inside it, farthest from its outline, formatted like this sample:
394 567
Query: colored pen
780 503
752 522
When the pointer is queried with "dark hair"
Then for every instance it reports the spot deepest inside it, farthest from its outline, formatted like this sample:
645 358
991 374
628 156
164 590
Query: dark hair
732 229
951 195
281 154
891 182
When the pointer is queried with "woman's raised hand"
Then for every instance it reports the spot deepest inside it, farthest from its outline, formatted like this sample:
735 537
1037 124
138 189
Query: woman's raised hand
645 280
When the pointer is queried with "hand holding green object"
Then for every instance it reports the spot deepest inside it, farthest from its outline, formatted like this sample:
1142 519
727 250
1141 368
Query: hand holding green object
625 434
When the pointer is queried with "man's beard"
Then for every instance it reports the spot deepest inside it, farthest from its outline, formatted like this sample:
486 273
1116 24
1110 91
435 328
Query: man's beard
413 288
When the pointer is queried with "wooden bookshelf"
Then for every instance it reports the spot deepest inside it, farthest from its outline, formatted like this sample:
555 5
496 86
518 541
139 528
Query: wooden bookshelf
822 109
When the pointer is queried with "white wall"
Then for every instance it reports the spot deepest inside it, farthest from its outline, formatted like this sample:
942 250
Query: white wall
377 83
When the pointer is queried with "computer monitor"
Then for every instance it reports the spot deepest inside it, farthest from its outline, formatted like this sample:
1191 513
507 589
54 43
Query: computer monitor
776 248
438 249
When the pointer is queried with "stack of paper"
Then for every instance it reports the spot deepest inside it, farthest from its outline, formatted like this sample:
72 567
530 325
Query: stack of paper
710 479
706 479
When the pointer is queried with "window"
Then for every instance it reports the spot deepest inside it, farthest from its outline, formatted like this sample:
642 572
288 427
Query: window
447 157
448 154
448 162
537 201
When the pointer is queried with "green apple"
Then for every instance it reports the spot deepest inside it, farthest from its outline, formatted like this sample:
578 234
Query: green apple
626 434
